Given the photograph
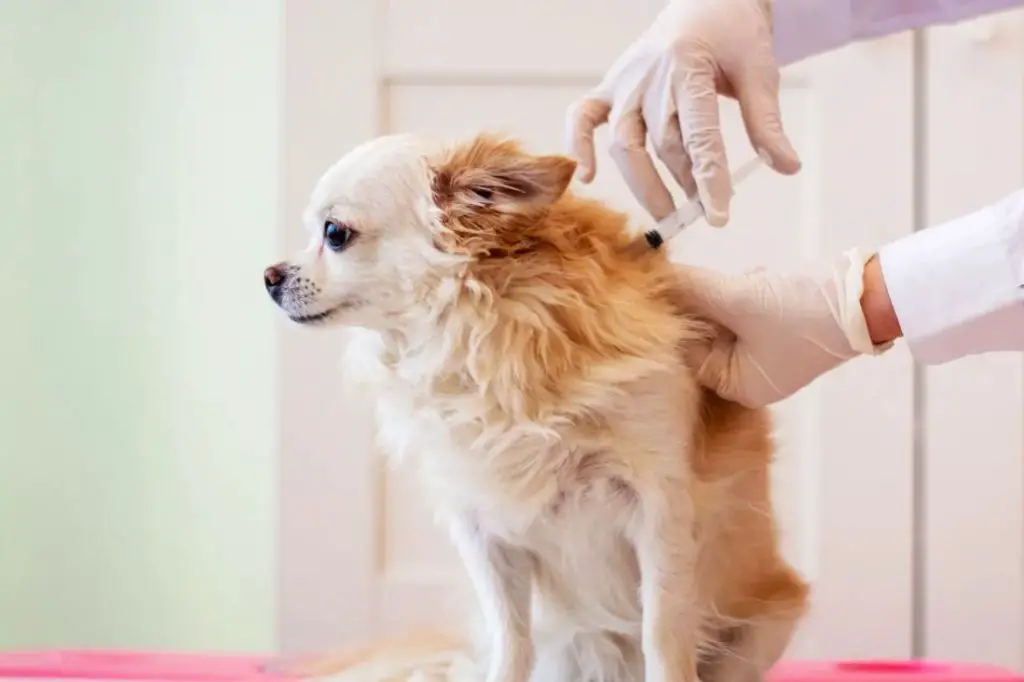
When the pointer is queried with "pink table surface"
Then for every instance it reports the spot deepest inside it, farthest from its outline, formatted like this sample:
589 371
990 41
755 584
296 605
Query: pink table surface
132 665
185 667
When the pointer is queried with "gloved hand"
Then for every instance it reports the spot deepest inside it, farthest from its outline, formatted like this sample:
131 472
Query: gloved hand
666 84
787 330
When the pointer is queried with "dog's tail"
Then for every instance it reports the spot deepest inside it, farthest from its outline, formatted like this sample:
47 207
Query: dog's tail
423 657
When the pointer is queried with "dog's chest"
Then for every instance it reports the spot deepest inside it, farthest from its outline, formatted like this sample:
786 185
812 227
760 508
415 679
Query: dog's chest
541 480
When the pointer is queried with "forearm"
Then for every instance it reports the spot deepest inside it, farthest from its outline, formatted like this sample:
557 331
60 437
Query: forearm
952 290
804 28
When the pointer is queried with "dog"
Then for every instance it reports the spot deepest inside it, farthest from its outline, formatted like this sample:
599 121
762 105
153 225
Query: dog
534 366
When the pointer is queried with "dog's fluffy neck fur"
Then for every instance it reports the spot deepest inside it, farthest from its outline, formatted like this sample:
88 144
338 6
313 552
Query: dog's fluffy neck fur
489 332
540 320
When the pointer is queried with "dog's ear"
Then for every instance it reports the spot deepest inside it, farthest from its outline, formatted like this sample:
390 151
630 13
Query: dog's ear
493 173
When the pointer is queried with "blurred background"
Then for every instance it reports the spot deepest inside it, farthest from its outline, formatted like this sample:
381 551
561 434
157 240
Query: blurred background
179 469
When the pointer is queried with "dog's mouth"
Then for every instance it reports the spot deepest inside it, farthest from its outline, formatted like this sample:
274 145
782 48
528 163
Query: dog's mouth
310 319
325 315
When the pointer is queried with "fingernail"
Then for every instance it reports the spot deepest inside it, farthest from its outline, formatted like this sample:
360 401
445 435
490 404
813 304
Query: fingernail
785 160
583 174
790 152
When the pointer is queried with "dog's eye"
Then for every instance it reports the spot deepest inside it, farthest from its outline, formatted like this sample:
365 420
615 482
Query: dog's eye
484 194
337 236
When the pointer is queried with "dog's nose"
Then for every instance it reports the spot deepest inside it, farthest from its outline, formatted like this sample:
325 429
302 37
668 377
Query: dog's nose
273 279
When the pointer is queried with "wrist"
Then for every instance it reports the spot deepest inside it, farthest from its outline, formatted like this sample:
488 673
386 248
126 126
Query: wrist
883 325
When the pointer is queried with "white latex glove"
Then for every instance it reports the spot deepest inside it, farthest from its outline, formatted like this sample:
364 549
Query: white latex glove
666 85
787 330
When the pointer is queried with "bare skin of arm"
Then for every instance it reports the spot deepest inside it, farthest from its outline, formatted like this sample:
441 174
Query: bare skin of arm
883 325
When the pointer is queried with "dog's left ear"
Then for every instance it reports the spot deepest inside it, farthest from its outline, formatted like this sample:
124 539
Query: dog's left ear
495 173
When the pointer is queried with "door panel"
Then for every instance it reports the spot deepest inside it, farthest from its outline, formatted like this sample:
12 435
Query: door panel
483 41
974 407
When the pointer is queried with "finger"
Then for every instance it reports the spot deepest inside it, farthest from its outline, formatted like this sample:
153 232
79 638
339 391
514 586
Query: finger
719 369
660 113
677 159
758 95
623 80
628 150
720 359
584 117
697 101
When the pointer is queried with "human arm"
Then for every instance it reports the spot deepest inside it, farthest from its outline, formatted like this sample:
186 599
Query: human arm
803 28
958 288
950 291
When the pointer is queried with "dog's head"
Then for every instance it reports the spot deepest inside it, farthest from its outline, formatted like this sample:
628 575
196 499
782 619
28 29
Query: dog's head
397 218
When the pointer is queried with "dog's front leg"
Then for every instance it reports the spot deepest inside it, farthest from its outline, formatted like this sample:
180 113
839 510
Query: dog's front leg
502 579
666 548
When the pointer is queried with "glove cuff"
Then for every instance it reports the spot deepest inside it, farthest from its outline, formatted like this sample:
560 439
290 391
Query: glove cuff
851 312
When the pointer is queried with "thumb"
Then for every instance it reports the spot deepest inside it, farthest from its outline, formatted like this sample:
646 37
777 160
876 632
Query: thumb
584 116
758 95
718 368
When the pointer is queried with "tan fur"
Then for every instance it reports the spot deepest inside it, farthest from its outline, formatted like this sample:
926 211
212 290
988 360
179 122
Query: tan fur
614 518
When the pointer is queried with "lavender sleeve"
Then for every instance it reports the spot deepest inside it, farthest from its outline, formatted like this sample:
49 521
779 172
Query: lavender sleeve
803 28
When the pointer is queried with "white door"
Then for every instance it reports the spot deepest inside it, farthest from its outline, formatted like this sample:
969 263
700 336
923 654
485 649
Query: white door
360 555
974 407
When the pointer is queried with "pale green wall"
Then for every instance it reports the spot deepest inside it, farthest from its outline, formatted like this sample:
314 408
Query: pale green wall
138 202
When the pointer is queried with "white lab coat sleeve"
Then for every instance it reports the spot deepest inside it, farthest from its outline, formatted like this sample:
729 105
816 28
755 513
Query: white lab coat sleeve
803 28
958 288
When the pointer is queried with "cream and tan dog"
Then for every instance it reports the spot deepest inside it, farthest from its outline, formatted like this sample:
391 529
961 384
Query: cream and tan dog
530 362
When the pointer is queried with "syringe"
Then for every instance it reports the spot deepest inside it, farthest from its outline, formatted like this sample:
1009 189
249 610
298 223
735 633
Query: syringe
693 210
